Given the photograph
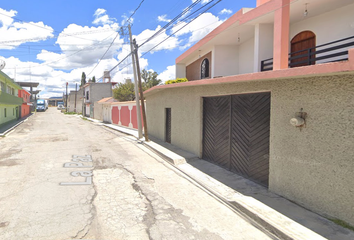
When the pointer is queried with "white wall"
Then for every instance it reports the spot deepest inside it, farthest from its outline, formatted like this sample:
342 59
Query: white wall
263 44
328 27
180 70
246 57
225 60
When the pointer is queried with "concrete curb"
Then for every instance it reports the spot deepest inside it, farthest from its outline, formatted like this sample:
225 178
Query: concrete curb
15 126
273 221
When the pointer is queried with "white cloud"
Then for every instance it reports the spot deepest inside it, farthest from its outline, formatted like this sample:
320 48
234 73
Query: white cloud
102 18
82 46
198 29
163 18
168 74
14 33
225 11
169 44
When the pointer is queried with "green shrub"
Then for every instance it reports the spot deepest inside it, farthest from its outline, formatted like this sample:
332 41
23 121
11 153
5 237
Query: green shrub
178 80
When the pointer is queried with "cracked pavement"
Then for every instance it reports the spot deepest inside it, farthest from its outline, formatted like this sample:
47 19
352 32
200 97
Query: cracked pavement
134 193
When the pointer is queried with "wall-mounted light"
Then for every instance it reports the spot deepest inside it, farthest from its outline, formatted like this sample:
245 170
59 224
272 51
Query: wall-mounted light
199 53
306 12
299 120
238 38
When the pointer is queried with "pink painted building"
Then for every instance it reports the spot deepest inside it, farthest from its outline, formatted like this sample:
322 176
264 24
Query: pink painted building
270 98
26 105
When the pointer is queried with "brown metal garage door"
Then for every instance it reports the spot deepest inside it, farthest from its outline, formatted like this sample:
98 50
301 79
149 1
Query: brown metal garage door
236 134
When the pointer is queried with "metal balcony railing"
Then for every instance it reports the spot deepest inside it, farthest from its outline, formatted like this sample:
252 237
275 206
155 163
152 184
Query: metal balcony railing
330 52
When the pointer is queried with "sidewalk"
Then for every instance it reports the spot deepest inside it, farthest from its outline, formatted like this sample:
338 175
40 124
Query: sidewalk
7 127
278 215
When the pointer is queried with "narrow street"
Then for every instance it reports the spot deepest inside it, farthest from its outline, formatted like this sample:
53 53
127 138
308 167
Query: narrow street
50 188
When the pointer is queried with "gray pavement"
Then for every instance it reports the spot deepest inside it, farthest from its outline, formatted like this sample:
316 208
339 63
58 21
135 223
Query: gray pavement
283 218
66 178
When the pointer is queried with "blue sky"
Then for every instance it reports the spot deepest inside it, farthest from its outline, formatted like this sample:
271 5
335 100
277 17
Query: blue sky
53 42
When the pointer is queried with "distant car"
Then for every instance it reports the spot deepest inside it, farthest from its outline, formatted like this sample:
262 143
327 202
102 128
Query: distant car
60 107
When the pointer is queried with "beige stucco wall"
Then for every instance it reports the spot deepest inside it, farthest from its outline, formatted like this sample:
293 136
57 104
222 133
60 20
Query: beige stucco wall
313 167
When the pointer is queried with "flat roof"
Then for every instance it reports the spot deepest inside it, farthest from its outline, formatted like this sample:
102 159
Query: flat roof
35 92
28 84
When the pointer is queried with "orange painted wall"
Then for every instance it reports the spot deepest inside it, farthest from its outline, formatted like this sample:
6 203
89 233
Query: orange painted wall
25 109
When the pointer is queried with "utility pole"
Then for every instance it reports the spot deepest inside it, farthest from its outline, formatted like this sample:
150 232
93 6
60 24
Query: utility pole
75 97
66 97
140 128
140 90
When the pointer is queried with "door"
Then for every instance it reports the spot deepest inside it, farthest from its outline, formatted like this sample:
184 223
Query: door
303 49
236 134
168 125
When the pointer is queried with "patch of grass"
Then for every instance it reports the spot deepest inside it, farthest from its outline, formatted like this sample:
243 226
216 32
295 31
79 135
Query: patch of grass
70 113
342 223
84 118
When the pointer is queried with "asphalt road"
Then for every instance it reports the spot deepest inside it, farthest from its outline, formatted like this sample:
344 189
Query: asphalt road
63 177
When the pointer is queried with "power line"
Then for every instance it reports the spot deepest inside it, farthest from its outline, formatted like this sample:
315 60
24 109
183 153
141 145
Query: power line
185 24
173 20
115 38
84 49
104 53
135 11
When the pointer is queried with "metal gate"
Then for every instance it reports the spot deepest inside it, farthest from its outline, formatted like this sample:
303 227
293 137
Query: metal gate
236 134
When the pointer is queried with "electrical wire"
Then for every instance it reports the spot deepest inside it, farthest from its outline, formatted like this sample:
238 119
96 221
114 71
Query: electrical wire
115 39
173 20
135 11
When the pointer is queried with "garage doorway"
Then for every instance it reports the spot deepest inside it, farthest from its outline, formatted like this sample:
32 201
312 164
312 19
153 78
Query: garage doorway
236 134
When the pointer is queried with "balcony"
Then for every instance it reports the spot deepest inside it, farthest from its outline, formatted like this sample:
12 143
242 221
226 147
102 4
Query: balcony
329 52
9 99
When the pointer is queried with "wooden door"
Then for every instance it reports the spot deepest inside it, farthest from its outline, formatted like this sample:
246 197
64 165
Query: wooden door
302 49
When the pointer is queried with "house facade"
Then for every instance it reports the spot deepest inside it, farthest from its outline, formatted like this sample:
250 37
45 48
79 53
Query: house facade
94 92
26 105
102 109
10 102
269 97
75 101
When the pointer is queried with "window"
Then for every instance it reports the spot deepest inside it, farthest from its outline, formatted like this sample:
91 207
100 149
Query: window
8 90
5 112
87 95
13 112
2 86
12 91
205 68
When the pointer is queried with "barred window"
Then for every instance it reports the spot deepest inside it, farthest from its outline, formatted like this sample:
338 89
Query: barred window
205 68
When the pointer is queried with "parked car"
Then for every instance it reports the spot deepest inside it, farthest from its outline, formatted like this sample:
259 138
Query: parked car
60 107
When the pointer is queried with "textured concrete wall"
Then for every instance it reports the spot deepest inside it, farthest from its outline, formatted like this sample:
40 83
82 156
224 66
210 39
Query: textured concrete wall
99 91
313 167
98 111
71 102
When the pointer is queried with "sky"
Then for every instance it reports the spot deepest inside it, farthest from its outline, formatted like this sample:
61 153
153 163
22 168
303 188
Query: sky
53 42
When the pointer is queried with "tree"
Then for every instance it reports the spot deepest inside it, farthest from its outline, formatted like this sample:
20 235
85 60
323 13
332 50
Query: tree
150 79
124 91
83 79
94 79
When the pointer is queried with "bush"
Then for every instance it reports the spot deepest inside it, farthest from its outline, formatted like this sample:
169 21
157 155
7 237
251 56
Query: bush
178 80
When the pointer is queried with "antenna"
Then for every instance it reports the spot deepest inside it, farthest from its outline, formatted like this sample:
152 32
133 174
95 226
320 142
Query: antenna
2 64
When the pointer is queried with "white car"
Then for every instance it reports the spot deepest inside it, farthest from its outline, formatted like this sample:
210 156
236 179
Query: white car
60 107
